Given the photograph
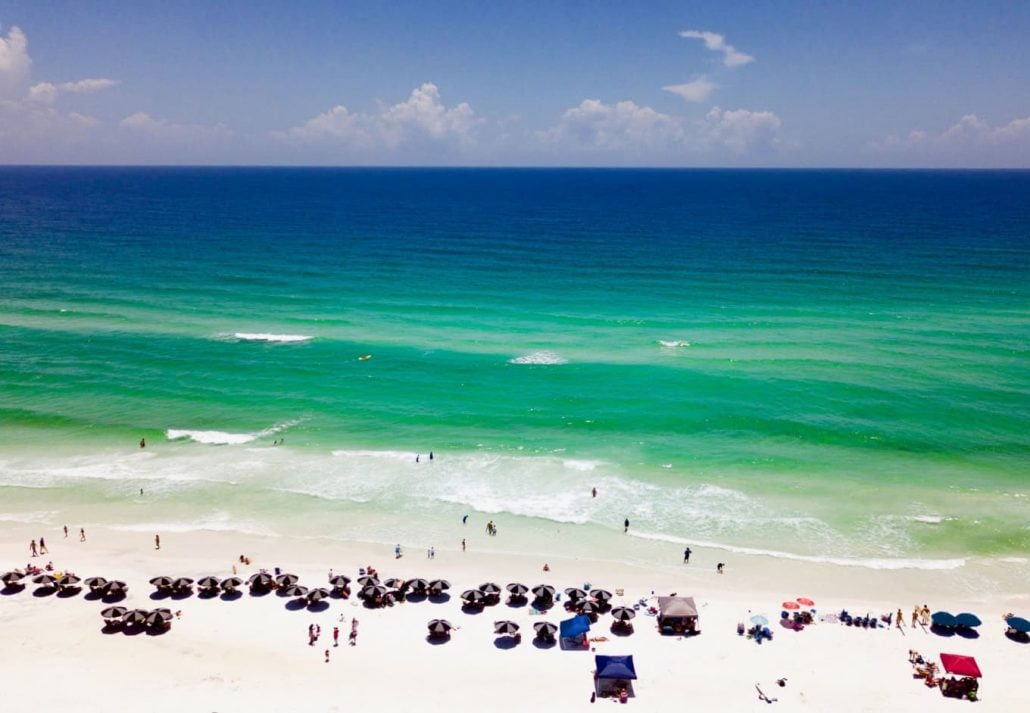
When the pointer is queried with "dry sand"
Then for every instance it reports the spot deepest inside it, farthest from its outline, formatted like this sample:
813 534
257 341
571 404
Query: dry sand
253 654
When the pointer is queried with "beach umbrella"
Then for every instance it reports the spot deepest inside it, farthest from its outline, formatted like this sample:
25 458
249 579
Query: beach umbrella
438 585
601 595
113 612
418 584
586 607
95 582
472 596
287 580
489 588
208 583
295 590
47 580
805 602
575 593
517 590
623 613
230 584
791 605
942 618
162 582
339 581
261 580
135 616
967 620
394 582
70 580
11 577
543 591
1019 624
182 583
367 579
374 590
116 586
759 620
545 629
505 627
317 595
159 616
960 665
439 626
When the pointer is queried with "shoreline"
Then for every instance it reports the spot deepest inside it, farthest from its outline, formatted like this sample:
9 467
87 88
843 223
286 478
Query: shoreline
253 654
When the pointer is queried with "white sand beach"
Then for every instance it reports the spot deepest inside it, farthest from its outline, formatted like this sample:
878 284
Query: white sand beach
252 654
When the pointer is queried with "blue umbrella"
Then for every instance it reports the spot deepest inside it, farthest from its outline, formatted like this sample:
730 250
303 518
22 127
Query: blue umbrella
966 619
1019 624
943 618
759 620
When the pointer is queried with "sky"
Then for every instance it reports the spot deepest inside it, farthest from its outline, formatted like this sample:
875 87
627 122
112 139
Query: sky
481 83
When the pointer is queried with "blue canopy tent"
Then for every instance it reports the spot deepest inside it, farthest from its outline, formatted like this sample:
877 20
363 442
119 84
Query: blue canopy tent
614 675
573 632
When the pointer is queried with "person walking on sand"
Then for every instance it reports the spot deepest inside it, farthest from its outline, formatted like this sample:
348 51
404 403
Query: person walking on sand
42 547
718 567
82 534
899 620
327 655
430 455
157 542
625 525
924 615
32 549
336 636
686 556
593 492
397 552
462 544
65 530
915 617
142 443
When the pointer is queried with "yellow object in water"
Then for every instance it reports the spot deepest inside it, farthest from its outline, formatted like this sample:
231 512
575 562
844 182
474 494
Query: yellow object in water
365 357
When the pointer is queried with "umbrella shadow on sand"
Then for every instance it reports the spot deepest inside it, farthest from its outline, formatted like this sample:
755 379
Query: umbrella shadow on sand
230 596
160 594
945 631
44 592
967 633
111 627
316 607
296 605
156 630
415 597
10 589
505 642
1018 636
437 640
69 592
441 598
544 643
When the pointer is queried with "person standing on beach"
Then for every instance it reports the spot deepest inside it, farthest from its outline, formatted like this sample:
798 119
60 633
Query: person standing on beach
718 567
686 556
142 443
32 549
336 636
397 551
899 621
65 530
157 542
915 617
593 492
82 534
924 615
430 455
462 544
465 519
625 525
42 547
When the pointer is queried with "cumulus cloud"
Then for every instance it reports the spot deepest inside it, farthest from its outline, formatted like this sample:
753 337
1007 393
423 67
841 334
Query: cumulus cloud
142 123
731 56
971 141
14 60
741 130
422 117
47 91
632 129
696 90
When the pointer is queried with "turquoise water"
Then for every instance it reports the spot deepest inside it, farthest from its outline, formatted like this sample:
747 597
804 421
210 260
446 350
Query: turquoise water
824 364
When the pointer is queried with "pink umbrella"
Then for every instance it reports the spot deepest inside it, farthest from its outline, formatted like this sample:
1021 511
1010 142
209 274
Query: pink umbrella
806 602
791 605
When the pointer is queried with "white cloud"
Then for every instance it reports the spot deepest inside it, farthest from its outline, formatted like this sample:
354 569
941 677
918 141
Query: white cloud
972 141
741 130
696 90
731 56
14 60
142 123
594 124
88 86
422 117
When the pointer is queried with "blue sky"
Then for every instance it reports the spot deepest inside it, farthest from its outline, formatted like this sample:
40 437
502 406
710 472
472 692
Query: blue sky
532 83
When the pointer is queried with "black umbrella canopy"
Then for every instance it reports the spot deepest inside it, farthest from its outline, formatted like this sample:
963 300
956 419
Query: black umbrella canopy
543 591
339 580
601 595
261 579
489 588
418 584
295 590
208 583
505 627
287 580
159 616
517 590
374 590
113 612
116 585
623 613
545 628
231 583
366 580
575 593
12 576
182 583
162 582
394 582
317 595
70 580
438 585
440 626
95 582
135 616
586 608
46 580
472 595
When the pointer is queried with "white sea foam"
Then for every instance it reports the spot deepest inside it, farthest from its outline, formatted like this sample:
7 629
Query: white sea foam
539 358
273 338
215 522
672 344
221 438
930 519
41 516
581 465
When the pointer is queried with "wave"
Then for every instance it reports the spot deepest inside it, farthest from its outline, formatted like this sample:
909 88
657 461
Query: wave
540 358
45 517
217 522
222 438
671 344
886 563
272 338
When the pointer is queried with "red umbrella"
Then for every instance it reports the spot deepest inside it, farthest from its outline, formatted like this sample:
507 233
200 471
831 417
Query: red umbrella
960 665
806 602
791 605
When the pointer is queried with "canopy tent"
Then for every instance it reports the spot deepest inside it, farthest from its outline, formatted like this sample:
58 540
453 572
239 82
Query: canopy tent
678 614
960 665
1019 624
614 674
573 632
967 620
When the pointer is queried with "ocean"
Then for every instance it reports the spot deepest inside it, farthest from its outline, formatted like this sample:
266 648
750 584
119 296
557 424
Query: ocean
818 365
